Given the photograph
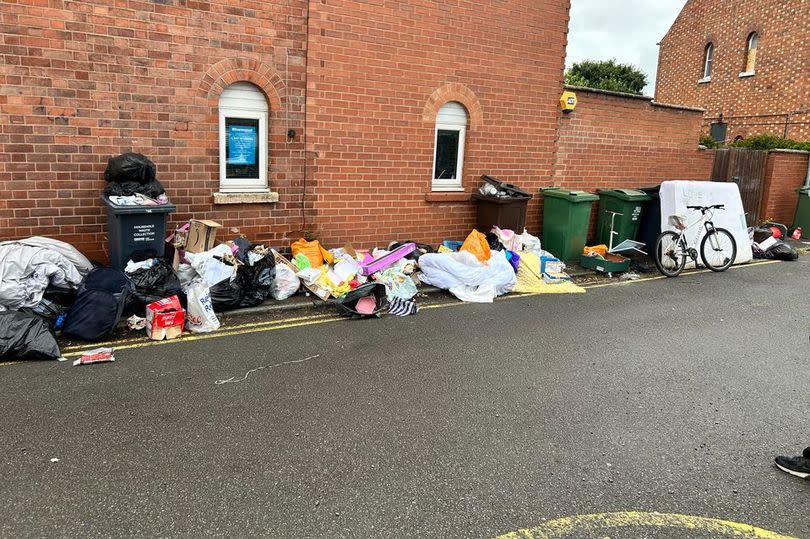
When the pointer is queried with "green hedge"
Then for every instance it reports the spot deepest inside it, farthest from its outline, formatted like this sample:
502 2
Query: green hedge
770 142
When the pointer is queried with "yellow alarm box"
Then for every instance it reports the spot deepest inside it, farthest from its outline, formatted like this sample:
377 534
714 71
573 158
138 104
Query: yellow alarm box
568 101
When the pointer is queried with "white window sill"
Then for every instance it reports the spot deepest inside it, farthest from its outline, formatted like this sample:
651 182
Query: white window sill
267 197
746 74
437 189
705 80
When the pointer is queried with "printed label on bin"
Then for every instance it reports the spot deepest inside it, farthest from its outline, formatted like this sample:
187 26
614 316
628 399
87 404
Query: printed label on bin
143 232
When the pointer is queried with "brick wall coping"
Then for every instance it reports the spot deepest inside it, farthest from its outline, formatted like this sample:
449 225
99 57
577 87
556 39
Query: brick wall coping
650 100
785 150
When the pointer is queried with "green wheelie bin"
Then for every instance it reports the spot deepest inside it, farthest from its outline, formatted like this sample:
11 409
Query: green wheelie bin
620 212
566 219
802 217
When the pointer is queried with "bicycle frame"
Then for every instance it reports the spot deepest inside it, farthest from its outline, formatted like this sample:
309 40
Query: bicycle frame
706 219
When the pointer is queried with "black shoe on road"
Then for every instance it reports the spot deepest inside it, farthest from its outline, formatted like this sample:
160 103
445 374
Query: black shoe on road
798 466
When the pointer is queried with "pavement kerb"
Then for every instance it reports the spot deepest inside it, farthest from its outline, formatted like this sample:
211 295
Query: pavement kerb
304 302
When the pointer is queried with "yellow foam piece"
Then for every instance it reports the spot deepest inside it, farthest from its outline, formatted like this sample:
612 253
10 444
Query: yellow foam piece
530 281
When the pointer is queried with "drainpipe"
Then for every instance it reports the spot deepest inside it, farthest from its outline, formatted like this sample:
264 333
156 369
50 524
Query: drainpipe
807 179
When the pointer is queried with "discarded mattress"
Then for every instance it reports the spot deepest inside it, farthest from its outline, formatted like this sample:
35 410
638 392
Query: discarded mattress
677 195
462 271
28 266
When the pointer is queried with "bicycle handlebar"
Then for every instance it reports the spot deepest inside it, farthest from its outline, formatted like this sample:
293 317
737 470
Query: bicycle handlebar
707 208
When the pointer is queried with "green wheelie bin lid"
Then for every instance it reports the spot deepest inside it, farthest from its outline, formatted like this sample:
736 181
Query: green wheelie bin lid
570 196
630 195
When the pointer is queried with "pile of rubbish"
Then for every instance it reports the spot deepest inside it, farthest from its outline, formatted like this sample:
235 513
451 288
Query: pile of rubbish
767 241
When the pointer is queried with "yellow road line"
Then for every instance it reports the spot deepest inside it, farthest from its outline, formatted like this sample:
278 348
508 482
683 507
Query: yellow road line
273 325
577 526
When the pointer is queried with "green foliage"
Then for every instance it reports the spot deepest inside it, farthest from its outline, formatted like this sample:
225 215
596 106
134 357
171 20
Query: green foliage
771 142
607 75
709 142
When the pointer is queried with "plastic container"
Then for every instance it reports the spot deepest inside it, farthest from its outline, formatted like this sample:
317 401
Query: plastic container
802 217
623 208
566 218
506 212
611 263
135 228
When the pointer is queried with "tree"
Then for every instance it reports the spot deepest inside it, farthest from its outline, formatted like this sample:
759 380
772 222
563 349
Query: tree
607 75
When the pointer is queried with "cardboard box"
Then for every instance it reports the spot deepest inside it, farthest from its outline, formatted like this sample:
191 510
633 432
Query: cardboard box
201 235
165 319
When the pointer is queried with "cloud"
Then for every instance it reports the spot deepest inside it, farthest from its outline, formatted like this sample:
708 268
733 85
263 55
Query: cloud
627 30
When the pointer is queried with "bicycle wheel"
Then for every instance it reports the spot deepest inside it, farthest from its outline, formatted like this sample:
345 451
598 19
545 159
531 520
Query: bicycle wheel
670 258
718 249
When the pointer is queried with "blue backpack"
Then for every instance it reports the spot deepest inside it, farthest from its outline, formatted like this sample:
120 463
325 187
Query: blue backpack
98 306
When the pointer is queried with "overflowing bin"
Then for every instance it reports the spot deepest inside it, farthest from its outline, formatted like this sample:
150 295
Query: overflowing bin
619 215
566 218
802 217
135 228
505 207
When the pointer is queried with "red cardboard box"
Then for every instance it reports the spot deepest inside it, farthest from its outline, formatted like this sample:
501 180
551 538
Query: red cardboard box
165 319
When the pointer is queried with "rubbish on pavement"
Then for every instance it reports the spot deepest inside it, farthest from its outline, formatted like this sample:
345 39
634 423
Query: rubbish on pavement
551 264
99 355
201 235
368 300
514 259
26 336
136 322
164 319
302 262
781 251
796 233
421 249
200 315
609 263
99 304
596 250
233 380
507 238
450 270
630 276
285 284
476 243
259 276
387 260
530 280
397 284
313 250
452 245
403 307
29 266
154 283
528 242
316 289
484 293
309 275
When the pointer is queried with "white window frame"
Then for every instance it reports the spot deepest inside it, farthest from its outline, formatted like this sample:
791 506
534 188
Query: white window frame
243 185
751 47
449 184
708 62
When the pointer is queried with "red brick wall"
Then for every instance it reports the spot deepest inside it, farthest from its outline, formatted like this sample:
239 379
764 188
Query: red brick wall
81 81
775 99
614 141
785 172
379 72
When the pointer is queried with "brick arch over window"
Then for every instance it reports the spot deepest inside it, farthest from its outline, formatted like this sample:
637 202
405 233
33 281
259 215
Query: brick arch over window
454 92
226 72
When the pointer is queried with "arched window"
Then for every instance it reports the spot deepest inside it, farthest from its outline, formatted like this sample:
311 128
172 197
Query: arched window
451 127
751 54
708 58
243 117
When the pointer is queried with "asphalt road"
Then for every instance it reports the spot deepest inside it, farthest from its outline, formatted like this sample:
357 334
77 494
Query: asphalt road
668 396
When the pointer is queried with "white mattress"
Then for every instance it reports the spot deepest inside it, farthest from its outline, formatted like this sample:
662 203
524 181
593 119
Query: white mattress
677 195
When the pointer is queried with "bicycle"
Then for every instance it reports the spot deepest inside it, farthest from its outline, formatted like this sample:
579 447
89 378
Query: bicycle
718 250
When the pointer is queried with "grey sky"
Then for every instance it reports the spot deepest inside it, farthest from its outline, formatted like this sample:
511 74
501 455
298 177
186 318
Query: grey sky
627 30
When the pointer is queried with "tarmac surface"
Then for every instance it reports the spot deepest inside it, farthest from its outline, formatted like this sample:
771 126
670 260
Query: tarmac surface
655 401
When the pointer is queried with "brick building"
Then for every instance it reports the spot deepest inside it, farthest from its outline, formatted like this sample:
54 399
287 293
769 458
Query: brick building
746 63
332 105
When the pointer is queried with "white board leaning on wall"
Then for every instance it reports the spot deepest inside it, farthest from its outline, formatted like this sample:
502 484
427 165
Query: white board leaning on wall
677 195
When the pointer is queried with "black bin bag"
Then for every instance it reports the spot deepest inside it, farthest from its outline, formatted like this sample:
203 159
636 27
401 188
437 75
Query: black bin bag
347 305
132 173
153 284
26 336
98 306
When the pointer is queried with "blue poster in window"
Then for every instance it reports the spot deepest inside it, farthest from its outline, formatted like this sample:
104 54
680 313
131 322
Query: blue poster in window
242 141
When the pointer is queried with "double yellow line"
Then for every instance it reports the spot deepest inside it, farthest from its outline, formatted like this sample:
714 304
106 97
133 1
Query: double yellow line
287 323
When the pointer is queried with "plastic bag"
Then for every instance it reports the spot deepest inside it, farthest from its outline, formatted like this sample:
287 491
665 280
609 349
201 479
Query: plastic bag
285 284
316 254
782 251
26 336
348 303
449 270
484 293
476 243
152 189
155 283
200 315
527 242
130 167
259 280
228 295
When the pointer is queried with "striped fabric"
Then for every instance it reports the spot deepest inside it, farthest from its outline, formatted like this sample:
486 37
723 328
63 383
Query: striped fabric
403 307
